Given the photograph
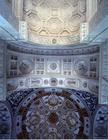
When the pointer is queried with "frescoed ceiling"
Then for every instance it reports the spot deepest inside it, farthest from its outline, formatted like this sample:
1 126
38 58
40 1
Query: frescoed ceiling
54 22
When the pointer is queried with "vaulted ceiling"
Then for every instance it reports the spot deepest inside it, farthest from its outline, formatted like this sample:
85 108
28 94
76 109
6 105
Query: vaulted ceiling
54 22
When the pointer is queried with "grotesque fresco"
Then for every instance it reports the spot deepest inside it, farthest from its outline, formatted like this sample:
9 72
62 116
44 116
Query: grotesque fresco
52 86
48 114
52 113
74 68
51 98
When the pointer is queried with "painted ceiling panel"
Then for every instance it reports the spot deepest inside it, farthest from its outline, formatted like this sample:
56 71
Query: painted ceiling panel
54 22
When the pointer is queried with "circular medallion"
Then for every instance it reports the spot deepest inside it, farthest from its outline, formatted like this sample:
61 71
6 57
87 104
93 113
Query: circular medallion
53 82
26 66
51 115
54 41
81 67
53 66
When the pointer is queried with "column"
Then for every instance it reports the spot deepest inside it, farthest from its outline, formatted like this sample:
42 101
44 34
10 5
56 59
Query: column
17 8
2 70
91 6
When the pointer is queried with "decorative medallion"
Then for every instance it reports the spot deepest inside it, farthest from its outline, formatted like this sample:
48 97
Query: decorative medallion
26 66
81 67
53 66
52 115
53 82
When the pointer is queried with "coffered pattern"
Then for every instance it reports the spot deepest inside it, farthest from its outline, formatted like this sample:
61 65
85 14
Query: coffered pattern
54 22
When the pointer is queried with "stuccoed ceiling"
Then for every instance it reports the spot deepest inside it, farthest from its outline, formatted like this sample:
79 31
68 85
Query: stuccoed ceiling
54 22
